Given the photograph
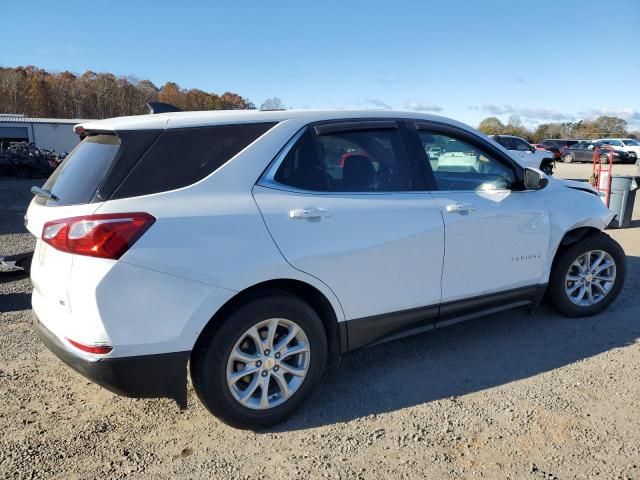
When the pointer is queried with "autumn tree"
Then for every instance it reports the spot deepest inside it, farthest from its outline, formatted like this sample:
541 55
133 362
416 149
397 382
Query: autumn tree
272 104
491 126
35 92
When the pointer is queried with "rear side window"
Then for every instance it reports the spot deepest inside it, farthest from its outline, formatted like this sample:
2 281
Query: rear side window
77 178
181 157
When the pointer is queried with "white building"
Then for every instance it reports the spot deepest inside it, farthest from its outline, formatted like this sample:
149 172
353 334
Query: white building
51 133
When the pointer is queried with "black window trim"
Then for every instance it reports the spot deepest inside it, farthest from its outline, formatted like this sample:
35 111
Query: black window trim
325 127
475 140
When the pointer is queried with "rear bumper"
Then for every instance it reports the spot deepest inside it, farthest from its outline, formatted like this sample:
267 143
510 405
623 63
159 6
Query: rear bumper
144 376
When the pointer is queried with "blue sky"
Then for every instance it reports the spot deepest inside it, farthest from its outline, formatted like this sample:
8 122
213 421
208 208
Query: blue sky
543 60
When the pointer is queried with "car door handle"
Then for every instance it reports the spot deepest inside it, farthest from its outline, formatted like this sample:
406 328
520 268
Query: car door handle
460 208
309 213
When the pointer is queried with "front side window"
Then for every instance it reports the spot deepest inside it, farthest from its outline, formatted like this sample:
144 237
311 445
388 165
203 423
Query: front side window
632 143
351 161
458 165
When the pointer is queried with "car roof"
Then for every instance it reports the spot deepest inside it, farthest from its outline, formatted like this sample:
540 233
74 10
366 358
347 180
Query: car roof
222 117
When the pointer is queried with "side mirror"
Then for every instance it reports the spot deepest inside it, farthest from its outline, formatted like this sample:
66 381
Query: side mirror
533 149
534 179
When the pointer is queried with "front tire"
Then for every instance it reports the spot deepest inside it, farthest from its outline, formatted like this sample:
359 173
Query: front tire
568 158
261 363
587 276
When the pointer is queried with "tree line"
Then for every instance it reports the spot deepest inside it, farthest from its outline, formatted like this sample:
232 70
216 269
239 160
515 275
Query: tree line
601 127
35 92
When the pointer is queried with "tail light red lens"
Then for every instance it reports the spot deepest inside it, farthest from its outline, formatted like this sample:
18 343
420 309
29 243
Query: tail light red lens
97 349
104 236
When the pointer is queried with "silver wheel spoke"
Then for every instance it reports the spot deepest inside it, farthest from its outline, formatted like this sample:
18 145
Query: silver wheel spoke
255 336
573 288
244 357
253 386
603 267
574 278
285 341
282 384
599 287
234 377
264 394
298 372
598 261
605 279
589 294
299 348
271 333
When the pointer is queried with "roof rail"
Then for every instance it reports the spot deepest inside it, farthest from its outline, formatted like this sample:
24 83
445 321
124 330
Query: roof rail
159 107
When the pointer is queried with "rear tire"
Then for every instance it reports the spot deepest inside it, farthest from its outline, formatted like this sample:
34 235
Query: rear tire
574 289
239 401
568 158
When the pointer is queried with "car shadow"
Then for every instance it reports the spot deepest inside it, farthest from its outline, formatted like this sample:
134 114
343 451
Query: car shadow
13 302
468 357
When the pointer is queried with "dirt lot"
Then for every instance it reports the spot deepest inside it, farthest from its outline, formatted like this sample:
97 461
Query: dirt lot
507 396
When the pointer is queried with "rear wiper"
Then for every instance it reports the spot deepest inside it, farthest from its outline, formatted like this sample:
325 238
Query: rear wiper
41 192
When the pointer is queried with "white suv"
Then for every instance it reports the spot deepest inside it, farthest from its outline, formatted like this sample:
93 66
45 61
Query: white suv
257 247
628 145
526 154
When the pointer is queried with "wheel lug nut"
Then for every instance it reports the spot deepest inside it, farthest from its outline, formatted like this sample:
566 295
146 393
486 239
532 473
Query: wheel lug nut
276 368
277 355
258 363
267 352
264 373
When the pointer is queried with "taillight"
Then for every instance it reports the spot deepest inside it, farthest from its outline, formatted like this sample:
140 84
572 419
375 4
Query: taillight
97 349
105 235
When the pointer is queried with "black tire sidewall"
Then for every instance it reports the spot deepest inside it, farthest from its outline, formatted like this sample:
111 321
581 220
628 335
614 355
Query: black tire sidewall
558 296
209 368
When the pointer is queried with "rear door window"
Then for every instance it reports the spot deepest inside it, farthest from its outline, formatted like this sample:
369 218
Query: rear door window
365 161
369 160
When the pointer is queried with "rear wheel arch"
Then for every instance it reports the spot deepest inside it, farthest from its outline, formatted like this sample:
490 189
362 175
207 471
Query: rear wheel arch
336 337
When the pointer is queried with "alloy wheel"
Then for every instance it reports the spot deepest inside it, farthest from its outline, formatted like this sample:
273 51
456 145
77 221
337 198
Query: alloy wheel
268 364
590 278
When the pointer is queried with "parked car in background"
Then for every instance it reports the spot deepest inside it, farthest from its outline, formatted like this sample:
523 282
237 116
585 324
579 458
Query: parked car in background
629 145
539 146
527 154
558 146
583 151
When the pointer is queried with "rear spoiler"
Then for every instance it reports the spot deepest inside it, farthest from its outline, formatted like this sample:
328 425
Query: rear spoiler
159 107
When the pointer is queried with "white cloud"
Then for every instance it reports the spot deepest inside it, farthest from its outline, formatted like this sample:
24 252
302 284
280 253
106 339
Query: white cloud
376 102
420 106
629 114
529 113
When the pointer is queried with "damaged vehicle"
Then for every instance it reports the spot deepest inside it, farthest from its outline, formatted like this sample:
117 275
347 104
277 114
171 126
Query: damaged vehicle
254 248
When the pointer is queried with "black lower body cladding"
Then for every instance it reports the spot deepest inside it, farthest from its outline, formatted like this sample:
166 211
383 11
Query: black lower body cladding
144 376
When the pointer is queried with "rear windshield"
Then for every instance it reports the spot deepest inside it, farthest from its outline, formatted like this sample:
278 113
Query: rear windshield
77 178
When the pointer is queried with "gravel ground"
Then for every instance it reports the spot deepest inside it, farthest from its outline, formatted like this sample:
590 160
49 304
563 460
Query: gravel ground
506 396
